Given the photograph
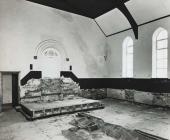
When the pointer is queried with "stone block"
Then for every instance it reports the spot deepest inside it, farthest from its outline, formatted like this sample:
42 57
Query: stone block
50 98
168 99
161 99
30 100
129 95
95 94
116 94
143 97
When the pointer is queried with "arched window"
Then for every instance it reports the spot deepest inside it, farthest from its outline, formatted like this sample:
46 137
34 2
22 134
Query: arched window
160 54
127 70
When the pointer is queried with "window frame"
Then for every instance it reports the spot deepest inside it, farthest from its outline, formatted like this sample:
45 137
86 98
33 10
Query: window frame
155 50
127 43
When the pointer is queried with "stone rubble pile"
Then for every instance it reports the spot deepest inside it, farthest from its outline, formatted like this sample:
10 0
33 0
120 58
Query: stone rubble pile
87 127
49 90
70 88
32 88
51 86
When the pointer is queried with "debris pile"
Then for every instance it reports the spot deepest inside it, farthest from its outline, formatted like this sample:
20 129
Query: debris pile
51 86
69 88
87 127
49 90
32 88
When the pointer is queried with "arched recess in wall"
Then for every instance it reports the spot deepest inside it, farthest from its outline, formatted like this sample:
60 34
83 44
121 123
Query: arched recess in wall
50 58
160 53
127 58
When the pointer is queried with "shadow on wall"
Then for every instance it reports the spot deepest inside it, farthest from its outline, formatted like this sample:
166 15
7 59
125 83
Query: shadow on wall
68 17
95 65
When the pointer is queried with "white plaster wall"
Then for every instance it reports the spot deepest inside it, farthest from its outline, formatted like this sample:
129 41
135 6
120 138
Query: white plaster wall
23 25
142 50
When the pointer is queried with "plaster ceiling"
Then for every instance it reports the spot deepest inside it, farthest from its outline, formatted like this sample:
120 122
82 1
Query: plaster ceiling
111 15
141 10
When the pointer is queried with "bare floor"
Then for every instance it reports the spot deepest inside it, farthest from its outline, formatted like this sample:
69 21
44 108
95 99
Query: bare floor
149 119
13 126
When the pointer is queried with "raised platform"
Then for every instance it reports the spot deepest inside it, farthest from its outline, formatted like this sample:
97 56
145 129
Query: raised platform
40 110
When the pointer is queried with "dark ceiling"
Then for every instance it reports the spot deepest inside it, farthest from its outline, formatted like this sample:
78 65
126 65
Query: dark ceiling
88 8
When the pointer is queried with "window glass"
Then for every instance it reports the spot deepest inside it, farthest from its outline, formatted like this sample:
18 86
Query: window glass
128 58
161 54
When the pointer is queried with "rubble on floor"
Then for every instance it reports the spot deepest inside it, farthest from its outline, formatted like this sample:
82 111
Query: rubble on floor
87 127
156 121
